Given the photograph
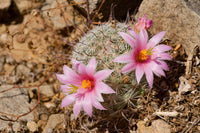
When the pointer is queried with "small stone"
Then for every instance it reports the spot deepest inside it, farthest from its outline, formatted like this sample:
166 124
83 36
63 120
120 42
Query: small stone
184 86
44 117
10 60
49 105
32 126
160 126
54 120
23 5
4 4
41 124
4 38
3 28
23 70
198 127
47 90
142 128
72 117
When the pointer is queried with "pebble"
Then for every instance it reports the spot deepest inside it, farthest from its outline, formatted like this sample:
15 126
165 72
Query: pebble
47 90
53 122
32 126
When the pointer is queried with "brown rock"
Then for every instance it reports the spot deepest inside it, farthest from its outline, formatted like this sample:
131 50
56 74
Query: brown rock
143 129
5 4
32 126
180 18
54 120
160 126
56 16
14 102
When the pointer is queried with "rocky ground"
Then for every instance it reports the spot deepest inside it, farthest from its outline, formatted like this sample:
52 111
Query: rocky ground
36 38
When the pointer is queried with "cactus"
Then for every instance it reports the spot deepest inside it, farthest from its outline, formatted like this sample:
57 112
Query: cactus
104 43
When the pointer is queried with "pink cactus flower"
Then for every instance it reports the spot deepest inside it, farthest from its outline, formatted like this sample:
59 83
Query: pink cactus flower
146 57
143 23
84 86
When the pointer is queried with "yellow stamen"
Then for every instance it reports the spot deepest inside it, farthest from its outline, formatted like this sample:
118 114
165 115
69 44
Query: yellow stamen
143 55
72 89
86 84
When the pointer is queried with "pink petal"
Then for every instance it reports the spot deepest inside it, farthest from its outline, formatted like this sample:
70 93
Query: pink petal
139 72
124 58
96 104
159 72
69 72
81 91
98 95
87 104
165 56
162 48
143 38
103 74
128 39
62 78
75 64
129 67
69 99
149 24
64 88
155 39
82 69
77 108
104 88
65 80
163 65
91 67
132 32
149 76
68 80
156 68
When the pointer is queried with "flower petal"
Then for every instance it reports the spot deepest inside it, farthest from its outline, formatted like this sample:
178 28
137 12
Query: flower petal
69 72
64 88
77 108
75 64
103 74
163 65
96 103
162 48
155 39
91 66
156 68
69 99
104 88
164 56
149 76
132 32
139 72
143 38
129 67
87 104
98 95
124 58
128 39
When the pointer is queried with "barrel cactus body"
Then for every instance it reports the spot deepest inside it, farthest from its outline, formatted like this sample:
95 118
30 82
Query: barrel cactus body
104 43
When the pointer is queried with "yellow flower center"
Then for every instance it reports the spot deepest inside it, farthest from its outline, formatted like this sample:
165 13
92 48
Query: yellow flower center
86 84
144 55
